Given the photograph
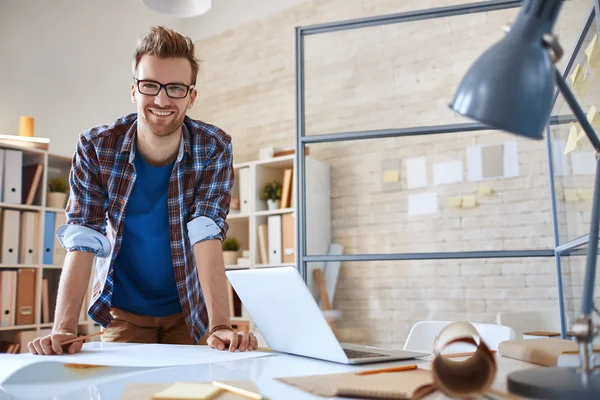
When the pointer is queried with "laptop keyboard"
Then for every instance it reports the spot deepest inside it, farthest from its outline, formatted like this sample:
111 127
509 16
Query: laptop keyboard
362 354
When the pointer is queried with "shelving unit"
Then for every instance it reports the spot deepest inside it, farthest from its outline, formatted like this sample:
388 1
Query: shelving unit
250 178
52 166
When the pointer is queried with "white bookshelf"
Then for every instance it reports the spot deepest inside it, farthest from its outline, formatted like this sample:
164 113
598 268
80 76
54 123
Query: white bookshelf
243 226
53 166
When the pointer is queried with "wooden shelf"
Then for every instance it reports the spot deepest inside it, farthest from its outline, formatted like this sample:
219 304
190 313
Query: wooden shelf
58 210
274 265
237 216
279 211
21 207
17 327
19 266
51 266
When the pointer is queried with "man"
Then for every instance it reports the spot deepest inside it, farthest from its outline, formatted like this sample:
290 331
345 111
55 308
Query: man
149 195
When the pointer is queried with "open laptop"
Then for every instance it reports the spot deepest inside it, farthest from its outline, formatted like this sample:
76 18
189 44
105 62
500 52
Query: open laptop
290 320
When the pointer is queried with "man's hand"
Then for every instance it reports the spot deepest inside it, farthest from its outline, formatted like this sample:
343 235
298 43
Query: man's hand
51 344
224 338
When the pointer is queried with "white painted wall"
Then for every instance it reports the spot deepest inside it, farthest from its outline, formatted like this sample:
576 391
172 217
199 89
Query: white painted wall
67 63
228 14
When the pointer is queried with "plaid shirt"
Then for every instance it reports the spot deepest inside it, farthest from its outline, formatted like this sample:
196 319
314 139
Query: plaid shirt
101 179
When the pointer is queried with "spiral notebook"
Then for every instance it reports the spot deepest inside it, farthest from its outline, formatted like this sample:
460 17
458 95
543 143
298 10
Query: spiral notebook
413 384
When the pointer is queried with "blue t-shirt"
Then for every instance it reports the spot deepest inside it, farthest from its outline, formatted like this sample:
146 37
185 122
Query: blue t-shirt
144 277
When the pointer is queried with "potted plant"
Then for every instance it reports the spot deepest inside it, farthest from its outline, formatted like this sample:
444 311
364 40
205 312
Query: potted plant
57 193
272 194
231 249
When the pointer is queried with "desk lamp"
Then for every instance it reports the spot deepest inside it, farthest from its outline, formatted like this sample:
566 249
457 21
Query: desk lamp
511 87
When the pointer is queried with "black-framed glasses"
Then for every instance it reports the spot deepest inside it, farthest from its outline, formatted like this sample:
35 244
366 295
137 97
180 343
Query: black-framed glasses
153 88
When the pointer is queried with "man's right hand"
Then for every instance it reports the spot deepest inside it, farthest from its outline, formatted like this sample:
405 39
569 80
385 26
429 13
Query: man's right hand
51 344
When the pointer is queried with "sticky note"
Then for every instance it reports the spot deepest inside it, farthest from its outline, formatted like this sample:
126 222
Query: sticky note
593 55
454 202
469 202
572 140
579 81
484 190
585 194
593 118
390 176
571 195
188 391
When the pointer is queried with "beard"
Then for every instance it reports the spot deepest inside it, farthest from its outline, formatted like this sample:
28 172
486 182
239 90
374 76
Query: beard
161 126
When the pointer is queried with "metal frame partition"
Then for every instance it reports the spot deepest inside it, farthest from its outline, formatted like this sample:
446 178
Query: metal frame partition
302 258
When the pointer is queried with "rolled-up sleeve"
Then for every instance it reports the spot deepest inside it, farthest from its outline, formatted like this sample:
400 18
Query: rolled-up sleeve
212 197
85 229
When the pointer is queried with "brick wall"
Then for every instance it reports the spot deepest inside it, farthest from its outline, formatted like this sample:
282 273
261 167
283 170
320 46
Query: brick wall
398 76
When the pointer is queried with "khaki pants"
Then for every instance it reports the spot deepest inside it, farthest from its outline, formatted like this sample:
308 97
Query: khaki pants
128 327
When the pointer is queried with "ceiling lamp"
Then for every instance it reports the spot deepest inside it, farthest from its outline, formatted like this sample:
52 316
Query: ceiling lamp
179 8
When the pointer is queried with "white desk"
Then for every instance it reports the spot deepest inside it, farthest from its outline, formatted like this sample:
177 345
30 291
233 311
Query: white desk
109 383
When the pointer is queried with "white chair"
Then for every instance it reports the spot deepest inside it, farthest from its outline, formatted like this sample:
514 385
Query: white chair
422 335
530 321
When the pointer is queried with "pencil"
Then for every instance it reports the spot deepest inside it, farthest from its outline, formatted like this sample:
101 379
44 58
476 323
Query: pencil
240 391
391 369
81 338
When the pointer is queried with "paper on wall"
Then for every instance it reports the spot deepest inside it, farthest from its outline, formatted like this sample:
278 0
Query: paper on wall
511 159
447 172
474 172
509 156
416 172
560 164
592 52
422 203
583 163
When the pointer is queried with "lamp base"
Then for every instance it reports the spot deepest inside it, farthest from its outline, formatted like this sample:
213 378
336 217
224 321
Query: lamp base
555 383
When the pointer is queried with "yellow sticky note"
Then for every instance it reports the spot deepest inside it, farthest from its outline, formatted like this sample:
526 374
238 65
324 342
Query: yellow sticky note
188 391
484 190
593 55
454 202
572 140
390 176
579 83
593 118
571 195
469 201
585 194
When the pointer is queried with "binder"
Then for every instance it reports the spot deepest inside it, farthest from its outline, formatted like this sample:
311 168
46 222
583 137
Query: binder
263 244
1 174
286 189
288 238
274 229
244 174
8 294
29 237
32 176
59 251
45 302
49 222
11 227
25 296
13 172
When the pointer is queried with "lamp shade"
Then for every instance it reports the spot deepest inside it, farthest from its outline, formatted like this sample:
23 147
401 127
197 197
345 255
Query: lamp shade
511 85
179 8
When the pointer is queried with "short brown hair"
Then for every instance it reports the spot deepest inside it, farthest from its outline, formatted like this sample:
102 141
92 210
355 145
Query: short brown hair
166 43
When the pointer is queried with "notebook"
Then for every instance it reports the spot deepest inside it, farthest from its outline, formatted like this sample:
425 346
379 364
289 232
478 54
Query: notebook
544 351
413 384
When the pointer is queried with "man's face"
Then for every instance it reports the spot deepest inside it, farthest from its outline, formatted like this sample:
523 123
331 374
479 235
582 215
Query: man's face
160 114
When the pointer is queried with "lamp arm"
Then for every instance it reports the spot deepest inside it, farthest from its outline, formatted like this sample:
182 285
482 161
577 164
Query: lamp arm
579 115
583 328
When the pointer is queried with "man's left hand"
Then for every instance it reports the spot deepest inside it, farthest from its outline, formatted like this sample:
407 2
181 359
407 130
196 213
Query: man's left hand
224 338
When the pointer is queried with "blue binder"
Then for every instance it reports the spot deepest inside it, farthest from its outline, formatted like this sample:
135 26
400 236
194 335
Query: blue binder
49 221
